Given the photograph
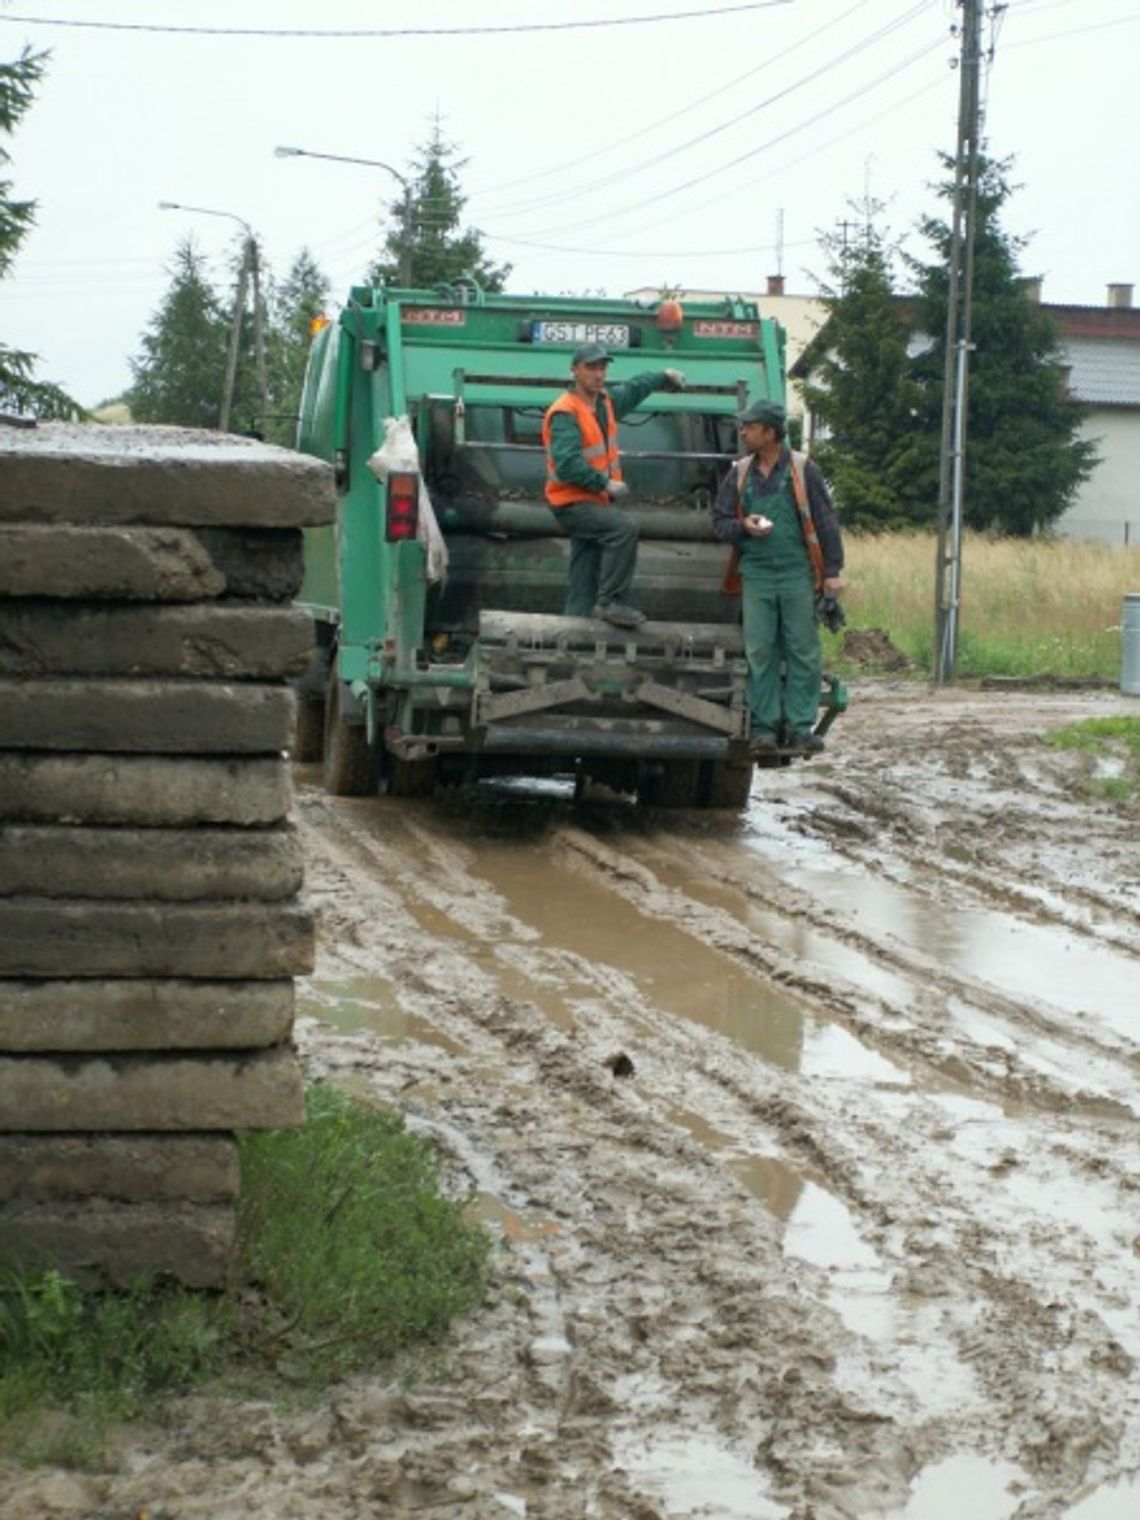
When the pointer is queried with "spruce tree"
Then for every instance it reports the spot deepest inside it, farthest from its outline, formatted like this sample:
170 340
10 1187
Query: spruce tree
179 375
293 305
427 230
1025 459
20 391
861 389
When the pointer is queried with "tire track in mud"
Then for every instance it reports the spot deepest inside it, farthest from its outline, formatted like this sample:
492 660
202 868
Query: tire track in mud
641 1194
936 1250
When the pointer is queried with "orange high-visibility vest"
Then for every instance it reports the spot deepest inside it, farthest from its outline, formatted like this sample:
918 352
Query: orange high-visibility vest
601 453
732 582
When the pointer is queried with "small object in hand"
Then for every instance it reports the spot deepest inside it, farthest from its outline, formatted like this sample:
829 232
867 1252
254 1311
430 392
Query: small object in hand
616 489
761 523
829 612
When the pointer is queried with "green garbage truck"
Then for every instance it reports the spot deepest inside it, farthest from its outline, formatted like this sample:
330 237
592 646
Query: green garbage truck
427 675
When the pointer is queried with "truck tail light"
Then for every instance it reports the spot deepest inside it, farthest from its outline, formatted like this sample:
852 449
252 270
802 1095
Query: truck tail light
403 507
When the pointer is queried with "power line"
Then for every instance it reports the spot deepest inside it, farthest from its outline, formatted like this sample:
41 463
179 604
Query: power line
1077 31
783 168
560 196
702 14
741 158
620 142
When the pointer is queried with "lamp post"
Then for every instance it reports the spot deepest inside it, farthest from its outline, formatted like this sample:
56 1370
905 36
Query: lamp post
249 273
405 273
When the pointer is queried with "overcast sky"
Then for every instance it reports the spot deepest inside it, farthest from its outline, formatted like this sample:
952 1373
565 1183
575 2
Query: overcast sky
600 159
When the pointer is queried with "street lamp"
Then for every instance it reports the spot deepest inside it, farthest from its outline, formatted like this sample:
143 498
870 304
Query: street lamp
250 272
371 163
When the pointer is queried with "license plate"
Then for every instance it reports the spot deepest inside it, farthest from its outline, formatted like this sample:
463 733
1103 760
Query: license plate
608 334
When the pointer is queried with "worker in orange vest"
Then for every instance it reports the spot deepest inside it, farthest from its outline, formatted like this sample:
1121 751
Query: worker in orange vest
584 484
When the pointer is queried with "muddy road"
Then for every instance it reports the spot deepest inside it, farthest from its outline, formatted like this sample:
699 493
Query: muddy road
810 1139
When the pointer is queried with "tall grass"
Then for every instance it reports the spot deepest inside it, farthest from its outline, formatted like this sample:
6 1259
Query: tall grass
1029 607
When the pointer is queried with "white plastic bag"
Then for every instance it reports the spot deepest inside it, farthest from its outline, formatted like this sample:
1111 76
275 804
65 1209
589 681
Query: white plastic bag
398 452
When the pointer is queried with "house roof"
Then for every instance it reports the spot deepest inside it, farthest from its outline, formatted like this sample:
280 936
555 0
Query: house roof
1104 371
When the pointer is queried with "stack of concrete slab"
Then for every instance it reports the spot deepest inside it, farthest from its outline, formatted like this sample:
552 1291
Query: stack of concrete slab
150 924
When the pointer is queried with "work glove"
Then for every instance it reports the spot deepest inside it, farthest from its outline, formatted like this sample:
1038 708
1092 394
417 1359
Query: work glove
829 612
616 489
674 380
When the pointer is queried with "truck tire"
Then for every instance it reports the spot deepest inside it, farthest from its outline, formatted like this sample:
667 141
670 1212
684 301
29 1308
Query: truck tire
309 739
352 765
726 784
676 785
409 778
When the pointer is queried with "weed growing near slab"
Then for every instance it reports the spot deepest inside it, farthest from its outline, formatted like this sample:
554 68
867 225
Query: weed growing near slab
1113 747
1029 607
349 1251
359 1252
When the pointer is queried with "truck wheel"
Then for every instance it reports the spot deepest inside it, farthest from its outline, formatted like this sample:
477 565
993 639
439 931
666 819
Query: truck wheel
352 765
409 778
309 739
726 784
676 785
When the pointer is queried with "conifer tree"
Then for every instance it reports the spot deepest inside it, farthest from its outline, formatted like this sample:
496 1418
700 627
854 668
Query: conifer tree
1025 459
427 233
179 375
860 388
294 304
20 391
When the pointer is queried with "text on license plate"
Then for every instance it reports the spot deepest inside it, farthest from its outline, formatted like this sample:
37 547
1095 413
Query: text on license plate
608 334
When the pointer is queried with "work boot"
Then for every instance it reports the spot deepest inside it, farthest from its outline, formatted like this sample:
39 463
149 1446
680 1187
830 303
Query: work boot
762 741
619 614
804 740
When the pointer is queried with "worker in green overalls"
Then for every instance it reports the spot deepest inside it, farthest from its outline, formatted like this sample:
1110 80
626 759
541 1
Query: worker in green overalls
774 508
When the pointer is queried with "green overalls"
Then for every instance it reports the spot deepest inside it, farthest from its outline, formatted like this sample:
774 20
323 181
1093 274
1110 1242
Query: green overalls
778 605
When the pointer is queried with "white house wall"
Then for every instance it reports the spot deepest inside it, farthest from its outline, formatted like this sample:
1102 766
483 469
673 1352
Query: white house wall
1108 507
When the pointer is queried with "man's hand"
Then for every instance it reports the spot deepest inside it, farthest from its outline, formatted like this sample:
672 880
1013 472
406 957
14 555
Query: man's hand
832 586
674 379
616 489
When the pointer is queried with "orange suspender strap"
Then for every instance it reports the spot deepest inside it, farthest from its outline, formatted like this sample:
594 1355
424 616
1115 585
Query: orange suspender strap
732 583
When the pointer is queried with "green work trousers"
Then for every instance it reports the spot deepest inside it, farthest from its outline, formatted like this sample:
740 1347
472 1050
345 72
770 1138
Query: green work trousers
780 630
603 554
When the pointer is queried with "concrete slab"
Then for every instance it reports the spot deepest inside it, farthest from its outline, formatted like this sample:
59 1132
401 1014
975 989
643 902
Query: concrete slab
146 717
79 473
164 865
137 1013
144 789
130 1168
117 1093
212 640
131 563
47 937
118 1242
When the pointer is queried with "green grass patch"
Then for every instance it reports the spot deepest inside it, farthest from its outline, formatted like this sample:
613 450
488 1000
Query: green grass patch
349 1251
1113 748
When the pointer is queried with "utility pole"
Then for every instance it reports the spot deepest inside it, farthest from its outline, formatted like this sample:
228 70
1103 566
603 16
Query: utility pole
952 455
235 336
258 332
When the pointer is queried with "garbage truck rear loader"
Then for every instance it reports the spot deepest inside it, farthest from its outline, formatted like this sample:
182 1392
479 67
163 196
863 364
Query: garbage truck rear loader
422 680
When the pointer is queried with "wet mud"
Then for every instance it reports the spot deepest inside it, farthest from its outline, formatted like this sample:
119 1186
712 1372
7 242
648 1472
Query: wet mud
808 1139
